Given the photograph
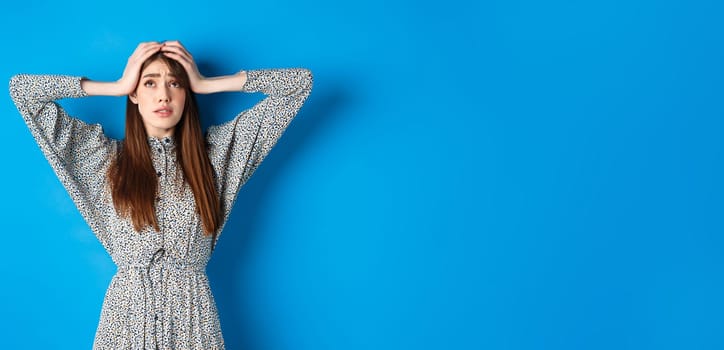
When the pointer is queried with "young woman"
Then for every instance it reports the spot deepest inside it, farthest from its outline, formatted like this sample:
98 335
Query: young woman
157 199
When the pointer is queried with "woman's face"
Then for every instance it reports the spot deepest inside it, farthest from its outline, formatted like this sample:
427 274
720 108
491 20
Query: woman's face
160 98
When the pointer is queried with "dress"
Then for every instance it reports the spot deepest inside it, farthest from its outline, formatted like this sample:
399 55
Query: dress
159 297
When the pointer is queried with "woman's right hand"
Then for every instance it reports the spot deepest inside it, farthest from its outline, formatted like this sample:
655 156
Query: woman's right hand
128 82
126 85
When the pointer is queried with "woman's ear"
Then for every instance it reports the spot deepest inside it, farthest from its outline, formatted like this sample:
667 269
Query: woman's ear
133 97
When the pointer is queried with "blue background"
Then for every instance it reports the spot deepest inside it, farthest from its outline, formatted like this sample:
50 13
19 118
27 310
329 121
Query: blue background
466 174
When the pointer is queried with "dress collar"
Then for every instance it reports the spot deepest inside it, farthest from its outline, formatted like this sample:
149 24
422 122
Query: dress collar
166 141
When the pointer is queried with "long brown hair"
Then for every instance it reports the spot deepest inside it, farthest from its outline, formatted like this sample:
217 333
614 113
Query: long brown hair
132 178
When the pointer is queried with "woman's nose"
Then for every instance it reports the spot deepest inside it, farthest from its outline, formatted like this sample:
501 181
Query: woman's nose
164 96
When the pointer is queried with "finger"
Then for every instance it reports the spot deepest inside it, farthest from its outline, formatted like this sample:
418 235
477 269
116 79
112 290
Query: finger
178 55
150 50
145 51
181 58
177 44
174 43
147 46
178 51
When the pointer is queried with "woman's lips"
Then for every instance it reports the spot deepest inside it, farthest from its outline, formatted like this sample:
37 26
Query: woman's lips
163 112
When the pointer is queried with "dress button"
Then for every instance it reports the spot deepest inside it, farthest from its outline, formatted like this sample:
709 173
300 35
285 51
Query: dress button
160 150
155 317
158 173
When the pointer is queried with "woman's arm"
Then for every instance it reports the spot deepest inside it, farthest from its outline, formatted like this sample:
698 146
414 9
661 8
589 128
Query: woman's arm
200 84
174 50
226 83
78 152
238 147
101 88
129 80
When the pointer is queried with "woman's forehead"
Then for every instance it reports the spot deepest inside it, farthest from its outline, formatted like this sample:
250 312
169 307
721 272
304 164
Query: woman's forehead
157 68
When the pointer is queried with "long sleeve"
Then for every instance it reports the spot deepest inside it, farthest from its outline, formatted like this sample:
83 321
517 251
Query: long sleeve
79 153
237 147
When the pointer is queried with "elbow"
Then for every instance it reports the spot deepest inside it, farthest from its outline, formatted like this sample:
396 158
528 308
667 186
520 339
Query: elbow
18 80
300 82
309 79
306 79
15 85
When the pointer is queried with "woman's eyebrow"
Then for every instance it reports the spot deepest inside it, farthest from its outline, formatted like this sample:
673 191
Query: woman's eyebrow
157 75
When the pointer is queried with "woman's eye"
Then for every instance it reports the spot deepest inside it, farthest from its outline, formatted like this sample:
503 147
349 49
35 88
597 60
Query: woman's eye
148 83
174 84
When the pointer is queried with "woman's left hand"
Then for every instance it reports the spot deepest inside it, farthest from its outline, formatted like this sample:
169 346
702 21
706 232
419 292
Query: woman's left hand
176 51
199 83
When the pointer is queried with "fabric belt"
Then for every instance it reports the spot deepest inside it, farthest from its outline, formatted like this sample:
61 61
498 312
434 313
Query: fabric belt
154 281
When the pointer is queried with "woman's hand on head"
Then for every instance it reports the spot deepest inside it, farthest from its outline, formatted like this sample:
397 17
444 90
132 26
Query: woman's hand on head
126 85
199 83
128 82
176 51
